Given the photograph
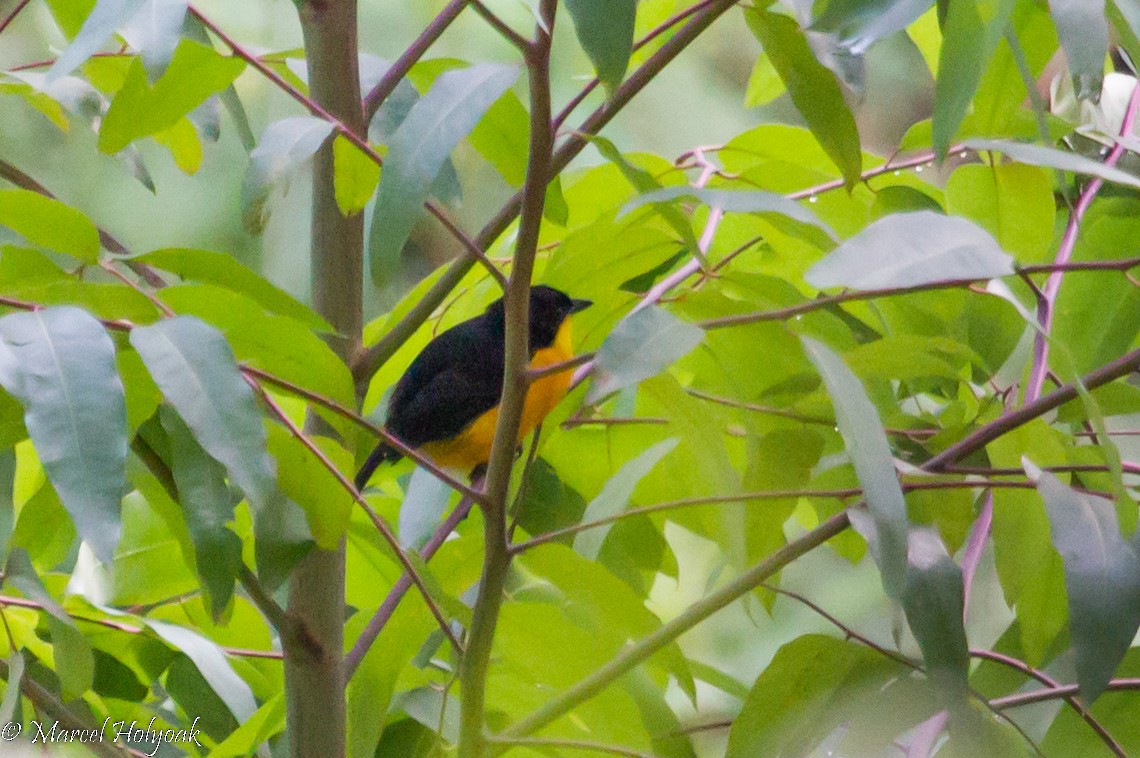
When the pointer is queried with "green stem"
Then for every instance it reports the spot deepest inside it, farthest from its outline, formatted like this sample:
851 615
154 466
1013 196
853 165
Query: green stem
496 556
314 681
746 582
633 655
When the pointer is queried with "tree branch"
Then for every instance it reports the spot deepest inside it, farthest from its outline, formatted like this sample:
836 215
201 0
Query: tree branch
1056 693
377 521
367 362
509 34
516 301
383 613
665 635
411 55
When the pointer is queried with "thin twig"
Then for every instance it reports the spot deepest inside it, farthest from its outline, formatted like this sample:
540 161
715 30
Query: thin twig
1064 253
844 493
1048 681
119 626
358 141
325 402
384 612
535 374
22 180
1056 693
12 16
516 302
411 55
509 34
377 521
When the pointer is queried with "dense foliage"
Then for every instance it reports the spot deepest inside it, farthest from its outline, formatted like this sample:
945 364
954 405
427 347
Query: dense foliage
851 468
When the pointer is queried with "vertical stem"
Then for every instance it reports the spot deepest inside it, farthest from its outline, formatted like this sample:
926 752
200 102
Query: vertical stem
496 556
314 683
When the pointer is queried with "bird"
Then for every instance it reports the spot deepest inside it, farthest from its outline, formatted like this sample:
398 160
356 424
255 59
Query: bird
446 404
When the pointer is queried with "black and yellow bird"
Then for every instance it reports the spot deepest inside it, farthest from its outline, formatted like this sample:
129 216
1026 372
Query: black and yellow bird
446 404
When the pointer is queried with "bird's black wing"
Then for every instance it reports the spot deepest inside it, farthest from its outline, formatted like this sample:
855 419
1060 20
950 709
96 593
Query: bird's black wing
454 380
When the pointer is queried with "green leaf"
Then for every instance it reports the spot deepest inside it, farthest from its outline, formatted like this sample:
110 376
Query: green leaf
98 26
1083 29
859 23
605 31
933 601
1038 155
212 665
207 506
502 136
73 659
803 694
420 147
306 481
12 691
247 738
154 31
195 73
970 34
615 495
284 146
1013 202
813 88
733 201
1102 576
909 249
70 14
645 181
194 367
870 453
642 345
184 145
425 502
48 222
224 270
64 375
354 176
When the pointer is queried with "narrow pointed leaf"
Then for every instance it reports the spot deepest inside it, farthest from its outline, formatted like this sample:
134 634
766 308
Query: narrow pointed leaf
934 600
870 453
225 271
154 32
213 666
74 661
969 36
641 346
1083 29
194 367
420 147
909 249
615 495
605 31
1102 577
814 89
208 507
284 146
733 201
1039 155
48 222
195 74
104 19
75 412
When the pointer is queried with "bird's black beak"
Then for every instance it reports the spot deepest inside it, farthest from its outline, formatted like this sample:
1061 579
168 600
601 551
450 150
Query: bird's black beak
579 305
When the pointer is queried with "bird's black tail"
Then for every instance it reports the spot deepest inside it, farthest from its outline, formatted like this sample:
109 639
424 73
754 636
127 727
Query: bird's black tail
381 454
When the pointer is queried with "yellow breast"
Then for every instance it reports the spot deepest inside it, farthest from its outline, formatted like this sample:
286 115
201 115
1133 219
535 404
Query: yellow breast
472 446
